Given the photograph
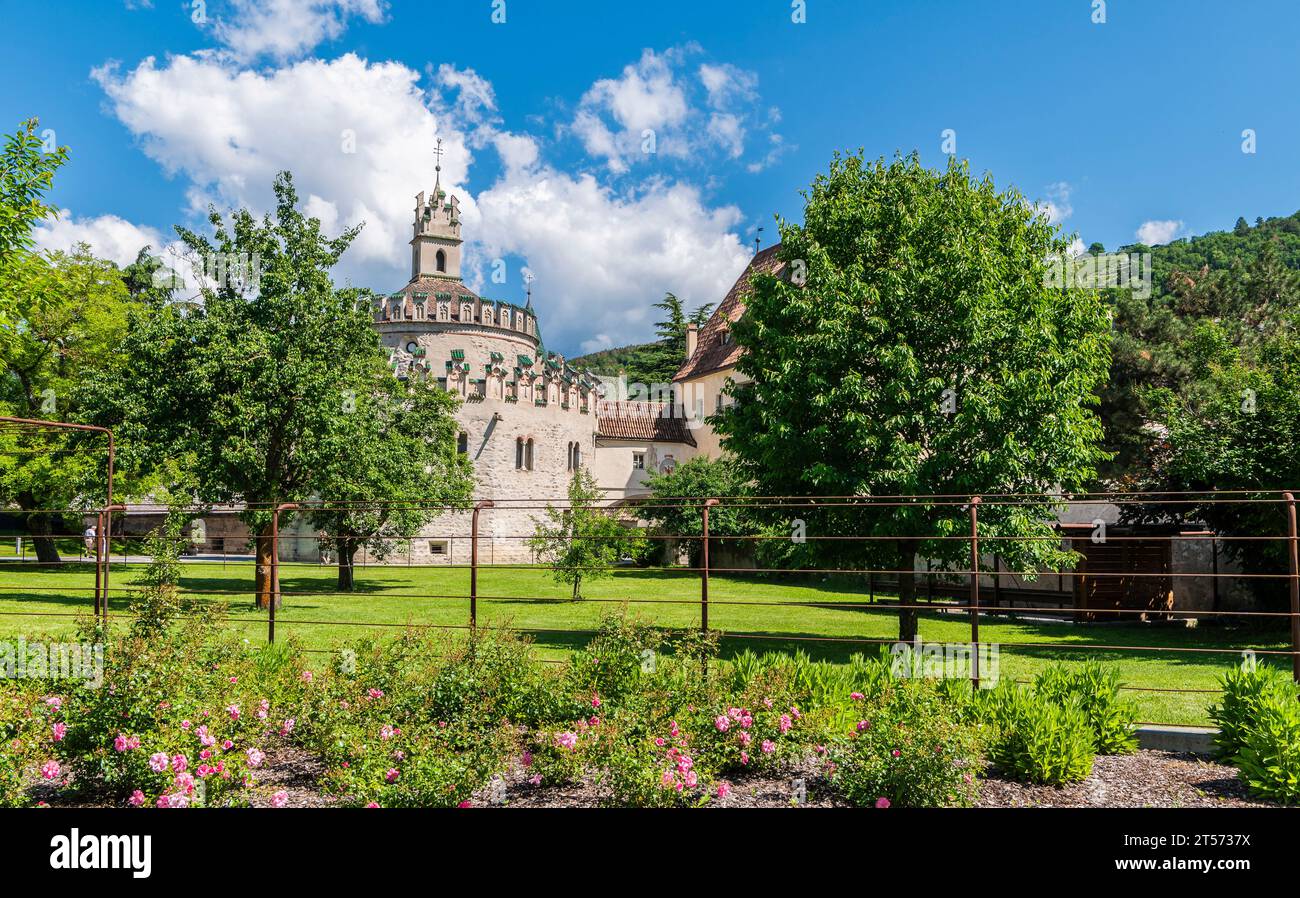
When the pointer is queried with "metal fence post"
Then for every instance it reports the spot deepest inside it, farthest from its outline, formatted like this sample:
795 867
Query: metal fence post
1293 554
274 591
704 580
275 568
103 546
473 564
975 592
704 564
99 562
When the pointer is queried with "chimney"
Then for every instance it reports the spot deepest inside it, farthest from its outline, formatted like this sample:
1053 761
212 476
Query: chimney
692 338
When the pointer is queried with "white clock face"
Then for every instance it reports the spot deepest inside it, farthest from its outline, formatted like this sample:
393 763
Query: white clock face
412 346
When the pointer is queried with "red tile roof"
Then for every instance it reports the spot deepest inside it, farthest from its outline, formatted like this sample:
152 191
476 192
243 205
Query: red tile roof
650 427
711 353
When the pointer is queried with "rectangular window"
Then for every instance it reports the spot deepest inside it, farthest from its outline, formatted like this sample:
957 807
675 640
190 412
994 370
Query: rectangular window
638 461
437 548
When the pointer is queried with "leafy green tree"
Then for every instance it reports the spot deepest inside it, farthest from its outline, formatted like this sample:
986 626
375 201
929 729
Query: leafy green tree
70 311
1237 431
912 346
1158 345
581 540
651 363
148 280
676 498
394 464
26 175
251 394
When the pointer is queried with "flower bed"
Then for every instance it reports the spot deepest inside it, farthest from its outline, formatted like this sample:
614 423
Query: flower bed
188 715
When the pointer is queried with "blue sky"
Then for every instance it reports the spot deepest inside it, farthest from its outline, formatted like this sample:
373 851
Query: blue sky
1128 124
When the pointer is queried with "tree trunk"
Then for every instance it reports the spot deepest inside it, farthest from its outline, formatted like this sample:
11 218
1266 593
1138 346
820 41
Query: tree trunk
347 549
263 585
907 616
576 581
41 529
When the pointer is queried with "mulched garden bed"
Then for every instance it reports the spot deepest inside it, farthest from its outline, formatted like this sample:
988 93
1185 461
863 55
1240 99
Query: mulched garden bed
1154 779
1146 779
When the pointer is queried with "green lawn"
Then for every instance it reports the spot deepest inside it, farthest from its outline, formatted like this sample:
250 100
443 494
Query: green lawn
35 601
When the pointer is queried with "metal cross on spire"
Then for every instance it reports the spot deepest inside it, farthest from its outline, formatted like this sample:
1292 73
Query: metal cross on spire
528 288
437 156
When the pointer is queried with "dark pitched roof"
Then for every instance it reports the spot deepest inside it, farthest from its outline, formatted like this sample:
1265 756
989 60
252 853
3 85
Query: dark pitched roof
652 427
711 353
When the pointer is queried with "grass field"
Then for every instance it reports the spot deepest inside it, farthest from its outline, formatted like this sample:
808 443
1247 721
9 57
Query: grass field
771 614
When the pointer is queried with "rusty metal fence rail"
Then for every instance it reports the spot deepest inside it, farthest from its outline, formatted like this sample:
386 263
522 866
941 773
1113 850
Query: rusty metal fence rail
971 603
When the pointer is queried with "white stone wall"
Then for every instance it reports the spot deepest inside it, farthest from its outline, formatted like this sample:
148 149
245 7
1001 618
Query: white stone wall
493 424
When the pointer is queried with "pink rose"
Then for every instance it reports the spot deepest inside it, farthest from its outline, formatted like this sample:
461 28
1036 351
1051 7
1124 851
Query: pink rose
280 799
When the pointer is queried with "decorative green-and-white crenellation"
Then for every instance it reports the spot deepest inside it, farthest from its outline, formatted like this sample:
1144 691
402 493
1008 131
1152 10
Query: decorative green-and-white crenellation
445 307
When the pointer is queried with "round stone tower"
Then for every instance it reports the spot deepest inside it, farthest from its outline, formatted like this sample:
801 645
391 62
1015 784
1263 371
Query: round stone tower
527 419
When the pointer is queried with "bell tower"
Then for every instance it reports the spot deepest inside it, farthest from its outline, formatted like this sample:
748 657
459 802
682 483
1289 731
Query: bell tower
435 244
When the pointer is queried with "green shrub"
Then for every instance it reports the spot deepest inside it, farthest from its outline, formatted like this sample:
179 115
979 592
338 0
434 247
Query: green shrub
1246 689
1036 739
427 767
1269 760
908 750
652 769
27 739
611 665
1112 718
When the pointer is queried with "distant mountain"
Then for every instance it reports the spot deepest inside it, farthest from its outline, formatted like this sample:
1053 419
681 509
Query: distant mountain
1221 249
1242 281
646 363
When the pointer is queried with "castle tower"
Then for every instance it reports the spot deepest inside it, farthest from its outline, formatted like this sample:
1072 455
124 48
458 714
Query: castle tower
436 241
527 420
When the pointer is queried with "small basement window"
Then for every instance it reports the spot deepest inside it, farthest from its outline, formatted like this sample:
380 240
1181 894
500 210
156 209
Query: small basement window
437 547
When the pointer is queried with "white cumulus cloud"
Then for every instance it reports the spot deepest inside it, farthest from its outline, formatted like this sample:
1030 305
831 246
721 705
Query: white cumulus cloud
109 236
1157 232
359 137
657 106
1057 205
286 29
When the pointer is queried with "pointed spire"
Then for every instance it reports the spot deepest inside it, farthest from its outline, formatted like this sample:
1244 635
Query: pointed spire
437 170
528 280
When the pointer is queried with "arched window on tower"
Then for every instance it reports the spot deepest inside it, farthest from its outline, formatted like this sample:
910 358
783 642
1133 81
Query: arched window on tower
519 453
441 260
528 454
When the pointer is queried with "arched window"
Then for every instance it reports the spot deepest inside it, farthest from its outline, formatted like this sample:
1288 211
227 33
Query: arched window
528 454
462 443
577 456
519 453
441 260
